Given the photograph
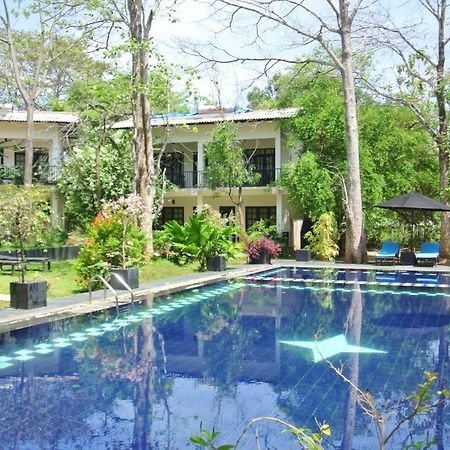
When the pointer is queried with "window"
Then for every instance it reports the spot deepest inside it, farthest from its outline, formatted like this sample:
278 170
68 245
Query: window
225 211
263 162
39 157
170 213
255 213
173 163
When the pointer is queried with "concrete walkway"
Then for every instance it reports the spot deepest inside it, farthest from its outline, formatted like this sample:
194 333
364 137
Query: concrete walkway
58 308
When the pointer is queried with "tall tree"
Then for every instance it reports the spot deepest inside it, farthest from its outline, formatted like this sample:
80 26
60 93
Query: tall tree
137 18
52 19
330 24
396 152
423 81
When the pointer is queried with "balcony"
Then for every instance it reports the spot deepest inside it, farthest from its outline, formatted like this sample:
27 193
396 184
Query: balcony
44 174
194 179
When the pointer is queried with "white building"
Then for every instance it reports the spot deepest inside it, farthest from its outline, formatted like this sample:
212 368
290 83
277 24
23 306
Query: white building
186 135
259 133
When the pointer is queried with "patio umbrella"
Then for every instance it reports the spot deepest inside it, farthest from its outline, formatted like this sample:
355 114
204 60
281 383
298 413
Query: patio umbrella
414 202
408 205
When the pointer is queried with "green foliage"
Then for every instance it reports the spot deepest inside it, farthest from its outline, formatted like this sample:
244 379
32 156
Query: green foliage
206 439
396 155
24 217
311 187
78 182
226 164
306 438
73 62
200 237
113 240
322 238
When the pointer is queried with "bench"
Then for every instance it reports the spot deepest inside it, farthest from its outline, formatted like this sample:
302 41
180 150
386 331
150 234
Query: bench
15 261
9 262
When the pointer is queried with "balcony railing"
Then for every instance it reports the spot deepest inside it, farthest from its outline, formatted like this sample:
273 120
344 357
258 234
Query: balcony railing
194 179
44 174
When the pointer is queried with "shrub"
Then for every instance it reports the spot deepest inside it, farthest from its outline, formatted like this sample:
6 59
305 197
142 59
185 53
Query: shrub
255 248
322 238
113 240
202 236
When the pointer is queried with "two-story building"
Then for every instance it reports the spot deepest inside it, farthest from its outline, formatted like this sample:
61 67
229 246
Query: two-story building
261 136
186 135
50 135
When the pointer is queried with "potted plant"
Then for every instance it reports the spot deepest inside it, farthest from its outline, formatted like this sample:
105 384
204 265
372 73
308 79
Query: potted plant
115 244
24 216
262 250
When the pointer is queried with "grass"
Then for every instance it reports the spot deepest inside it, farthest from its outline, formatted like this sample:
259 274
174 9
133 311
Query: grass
61 278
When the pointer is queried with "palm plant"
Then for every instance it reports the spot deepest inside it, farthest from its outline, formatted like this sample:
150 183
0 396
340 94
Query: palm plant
199 238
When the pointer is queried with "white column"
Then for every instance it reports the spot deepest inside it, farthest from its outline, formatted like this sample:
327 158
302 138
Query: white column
280 227
277 153
199 202
296 231
200 161
55 156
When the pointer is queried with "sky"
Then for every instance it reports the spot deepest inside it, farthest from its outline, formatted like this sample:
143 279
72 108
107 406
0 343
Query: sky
228 84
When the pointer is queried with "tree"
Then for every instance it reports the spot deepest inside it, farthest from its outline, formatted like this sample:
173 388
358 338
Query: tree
227 166
89 176
396 153
75 64
24 216
304 24
423 82
310 186
52 20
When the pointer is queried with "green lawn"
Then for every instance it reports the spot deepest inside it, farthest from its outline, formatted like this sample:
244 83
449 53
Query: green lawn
61 279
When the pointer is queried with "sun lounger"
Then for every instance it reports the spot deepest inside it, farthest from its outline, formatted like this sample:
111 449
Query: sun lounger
388 253
429 254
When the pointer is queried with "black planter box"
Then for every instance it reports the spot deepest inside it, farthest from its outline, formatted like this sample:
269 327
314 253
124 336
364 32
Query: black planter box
129 275
216 263
28 295
264 258
303 255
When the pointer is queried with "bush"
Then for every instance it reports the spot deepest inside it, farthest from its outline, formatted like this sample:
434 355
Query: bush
202 236
114 240
255 248
322 238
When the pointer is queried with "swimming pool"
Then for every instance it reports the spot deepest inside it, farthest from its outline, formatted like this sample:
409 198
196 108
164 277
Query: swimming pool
224 354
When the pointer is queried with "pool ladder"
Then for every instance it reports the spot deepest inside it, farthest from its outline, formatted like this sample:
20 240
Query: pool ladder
106 286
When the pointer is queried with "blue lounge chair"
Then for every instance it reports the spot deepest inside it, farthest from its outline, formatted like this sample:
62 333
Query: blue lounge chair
429 254
388 253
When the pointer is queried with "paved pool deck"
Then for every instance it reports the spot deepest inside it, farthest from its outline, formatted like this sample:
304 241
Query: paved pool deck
58 308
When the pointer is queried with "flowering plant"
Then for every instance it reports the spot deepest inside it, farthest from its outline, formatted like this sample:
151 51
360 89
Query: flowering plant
114 240
256 248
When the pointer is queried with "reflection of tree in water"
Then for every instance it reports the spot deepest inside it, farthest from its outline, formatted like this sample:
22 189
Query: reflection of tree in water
80 406
311 390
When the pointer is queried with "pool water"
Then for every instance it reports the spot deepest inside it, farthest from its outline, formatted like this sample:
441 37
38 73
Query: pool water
222 355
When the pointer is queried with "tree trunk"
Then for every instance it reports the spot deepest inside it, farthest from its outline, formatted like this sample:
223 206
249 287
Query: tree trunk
353 327
28 169
356 249
144 177
442 138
